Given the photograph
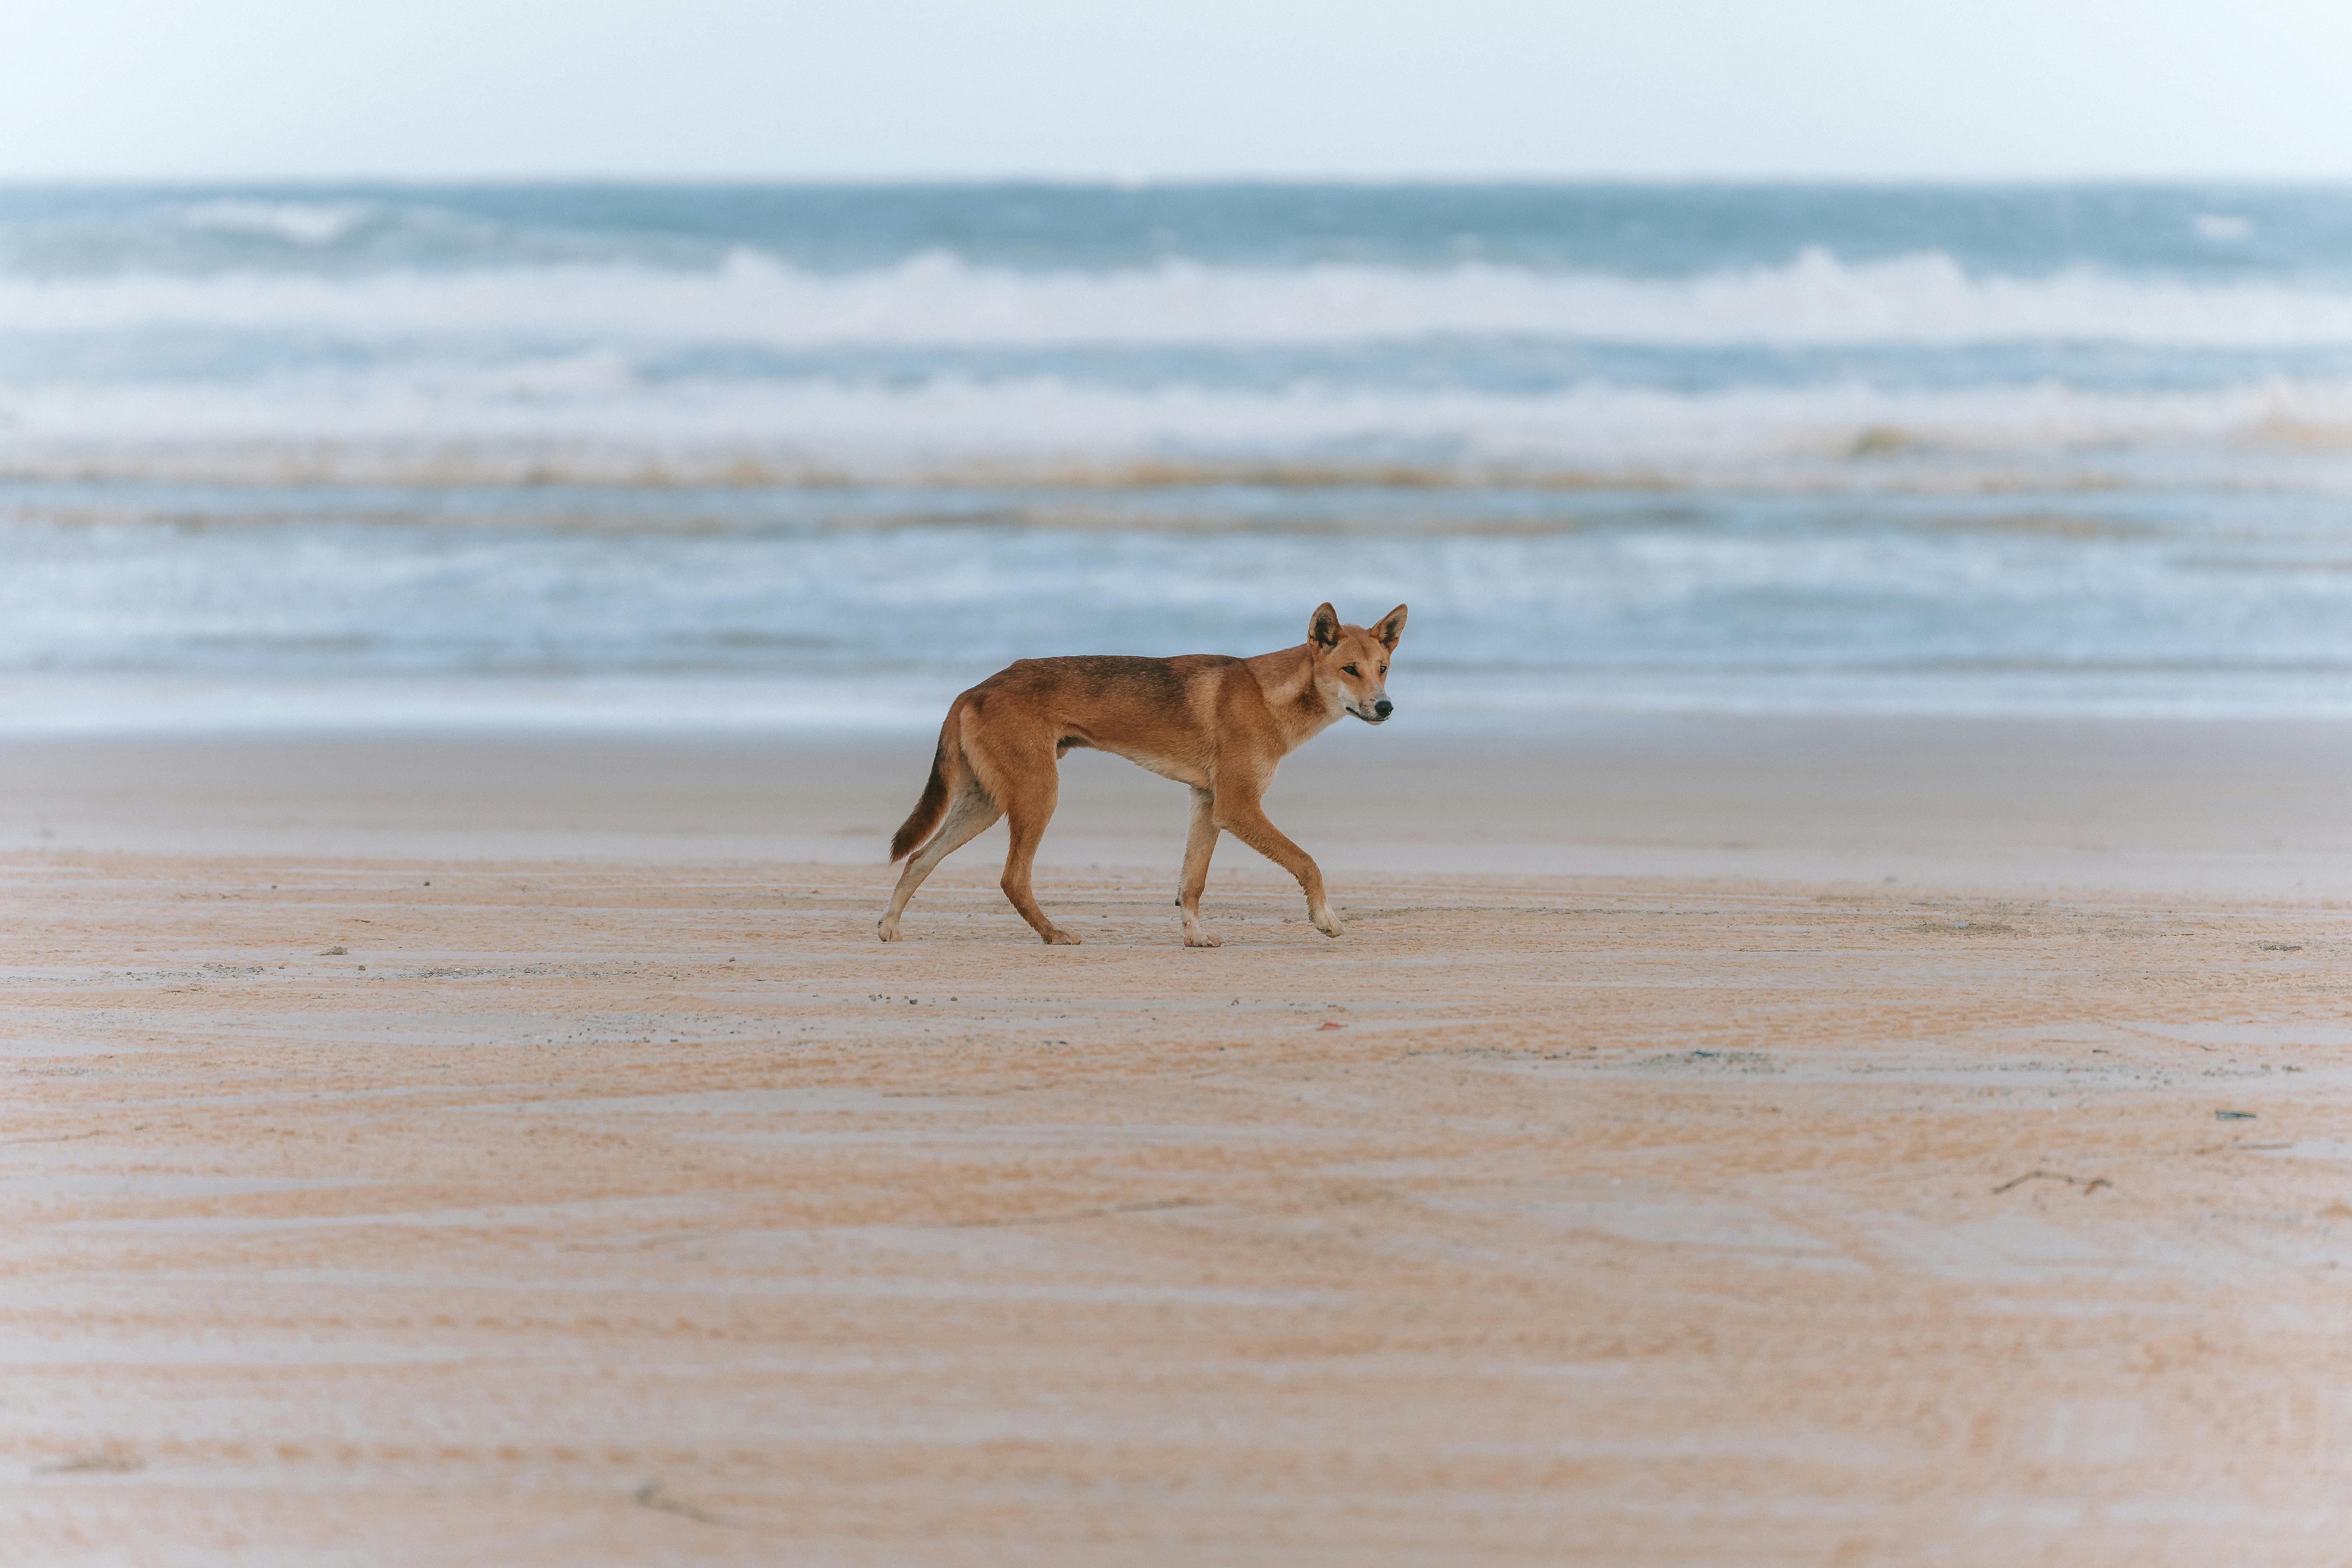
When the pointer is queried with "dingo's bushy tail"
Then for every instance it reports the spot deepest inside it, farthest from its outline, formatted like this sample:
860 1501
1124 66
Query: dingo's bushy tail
927 811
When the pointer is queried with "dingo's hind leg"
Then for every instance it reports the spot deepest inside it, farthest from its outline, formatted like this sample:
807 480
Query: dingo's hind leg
1199 843
970 815
1028 807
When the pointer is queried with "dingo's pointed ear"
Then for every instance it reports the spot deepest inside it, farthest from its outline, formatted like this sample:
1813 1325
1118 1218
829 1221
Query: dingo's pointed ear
1323 627
1392 627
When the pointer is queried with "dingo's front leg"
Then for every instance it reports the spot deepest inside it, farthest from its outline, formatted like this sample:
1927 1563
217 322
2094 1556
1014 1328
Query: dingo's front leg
1199 843
1247 820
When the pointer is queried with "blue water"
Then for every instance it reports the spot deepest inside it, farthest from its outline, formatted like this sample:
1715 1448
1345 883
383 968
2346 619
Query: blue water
1653 231
644 456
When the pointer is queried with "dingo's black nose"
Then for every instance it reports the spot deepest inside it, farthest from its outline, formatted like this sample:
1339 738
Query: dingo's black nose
1384 708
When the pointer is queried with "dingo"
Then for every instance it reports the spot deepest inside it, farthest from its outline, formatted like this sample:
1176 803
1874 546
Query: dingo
1219 724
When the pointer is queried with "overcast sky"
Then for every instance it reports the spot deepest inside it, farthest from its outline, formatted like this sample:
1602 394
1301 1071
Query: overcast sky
247 88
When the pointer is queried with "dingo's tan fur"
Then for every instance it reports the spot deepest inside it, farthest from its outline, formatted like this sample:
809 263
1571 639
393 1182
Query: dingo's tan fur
1221 725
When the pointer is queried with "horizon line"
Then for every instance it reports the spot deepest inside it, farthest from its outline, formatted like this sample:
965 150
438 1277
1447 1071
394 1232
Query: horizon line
1100 181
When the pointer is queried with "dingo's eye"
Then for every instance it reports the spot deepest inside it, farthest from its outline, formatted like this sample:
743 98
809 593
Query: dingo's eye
1349 669
1384 669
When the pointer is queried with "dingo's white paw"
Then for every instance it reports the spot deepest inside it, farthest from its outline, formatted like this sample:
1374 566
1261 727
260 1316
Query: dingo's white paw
1200 939
1057 937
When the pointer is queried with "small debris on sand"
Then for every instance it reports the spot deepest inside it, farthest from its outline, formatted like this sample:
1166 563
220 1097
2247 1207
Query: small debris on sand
2090 1187
1708 1061
113 1459
650 1495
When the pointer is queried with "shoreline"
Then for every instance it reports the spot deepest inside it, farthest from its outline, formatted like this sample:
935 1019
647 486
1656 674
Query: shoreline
2217 808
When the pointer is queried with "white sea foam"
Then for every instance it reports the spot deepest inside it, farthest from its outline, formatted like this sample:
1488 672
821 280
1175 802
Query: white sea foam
1816 299
2225 227
303 223
386 422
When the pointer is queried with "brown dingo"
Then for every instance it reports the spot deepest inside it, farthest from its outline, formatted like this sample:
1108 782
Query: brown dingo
1219 724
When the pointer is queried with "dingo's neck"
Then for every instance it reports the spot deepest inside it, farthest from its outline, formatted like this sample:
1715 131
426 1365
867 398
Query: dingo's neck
1287 678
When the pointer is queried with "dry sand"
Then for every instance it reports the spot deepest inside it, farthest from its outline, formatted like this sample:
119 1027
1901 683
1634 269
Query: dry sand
458 1152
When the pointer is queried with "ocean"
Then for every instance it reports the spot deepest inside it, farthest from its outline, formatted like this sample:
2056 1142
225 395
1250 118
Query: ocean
713 457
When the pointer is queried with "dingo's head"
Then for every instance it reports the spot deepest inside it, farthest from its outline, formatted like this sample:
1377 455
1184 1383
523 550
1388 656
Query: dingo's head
1352 663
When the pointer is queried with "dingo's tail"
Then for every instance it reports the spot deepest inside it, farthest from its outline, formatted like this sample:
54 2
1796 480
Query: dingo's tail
931 808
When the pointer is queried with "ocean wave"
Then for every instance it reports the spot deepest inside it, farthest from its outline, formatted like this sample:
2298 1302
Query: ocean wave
309 224
587 418
1814 299
347 236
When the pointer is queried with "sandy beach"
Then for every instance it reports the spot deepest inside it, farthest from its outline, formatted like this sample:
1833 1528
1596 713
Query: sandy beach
1713 1141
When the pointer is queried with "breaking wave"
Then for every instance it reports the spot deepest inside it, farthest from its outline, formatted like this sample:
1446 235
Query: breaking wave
1814 299
587 419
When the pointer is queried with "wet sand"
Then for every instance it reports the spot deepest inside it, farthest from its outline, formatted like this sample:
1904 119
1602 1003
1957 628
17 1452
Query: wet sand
523 1154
